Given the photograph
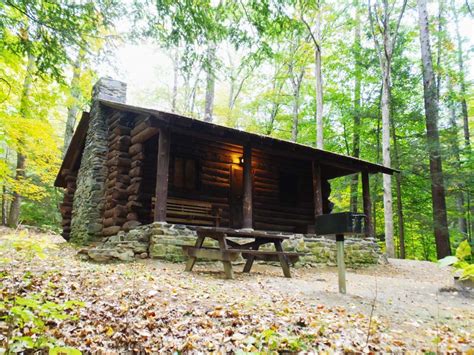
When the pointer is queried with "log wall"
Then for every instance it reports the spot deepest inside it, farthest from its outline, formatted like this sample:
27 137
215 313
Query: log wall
66 206
118 180
269 212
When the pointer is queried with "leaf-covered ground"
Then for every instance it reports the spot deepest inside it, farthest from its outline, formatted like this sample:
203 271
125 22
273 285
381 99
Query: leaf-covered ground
152 306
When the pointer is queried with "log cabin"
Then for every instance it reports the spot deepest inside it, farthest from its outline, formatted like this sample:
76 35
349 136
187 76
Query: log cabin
128 166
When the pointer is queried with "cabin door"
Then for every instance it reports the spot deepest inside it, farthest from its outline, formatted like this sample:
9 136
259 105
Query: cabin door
236 196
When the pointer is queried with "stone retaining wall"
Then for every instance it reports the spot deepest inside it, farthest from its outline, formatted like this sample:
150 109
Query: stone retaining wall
163 241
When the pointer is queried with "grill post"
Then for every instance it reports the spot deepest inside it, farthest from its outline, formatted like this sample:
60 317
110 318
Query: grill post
341 266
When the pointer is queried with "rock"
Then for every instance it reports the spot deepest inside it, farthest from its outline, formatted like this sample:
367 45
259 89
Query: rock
143 255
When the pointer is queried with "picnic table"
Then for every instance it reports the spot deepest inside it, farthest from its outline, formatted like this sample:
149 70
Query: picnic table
229 250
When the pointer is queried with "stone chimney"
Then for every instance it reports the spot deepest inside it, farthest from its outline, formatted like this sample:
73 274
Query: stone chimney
89 198
110 89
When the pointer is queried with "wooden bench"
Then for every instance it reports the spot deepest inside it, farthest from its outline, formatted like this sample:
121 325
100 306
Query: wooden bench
184 211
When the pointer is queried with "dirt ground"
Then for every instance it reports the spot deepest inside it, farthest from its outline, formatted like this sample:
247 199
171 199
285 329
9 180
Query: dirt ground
155 306
410 294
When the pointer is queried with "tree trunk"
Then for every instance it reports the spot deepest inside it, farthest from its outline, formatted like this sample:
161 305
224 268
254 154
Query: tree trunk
441 231
467 137
14 215
319 83
74 107
398 182
210 83
296 82
356 113
386 159
174 95
462 222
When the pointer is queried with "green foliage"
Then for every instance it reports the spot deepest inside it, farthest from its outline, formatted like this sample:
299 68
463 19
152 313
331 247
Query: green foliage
28 315
463 262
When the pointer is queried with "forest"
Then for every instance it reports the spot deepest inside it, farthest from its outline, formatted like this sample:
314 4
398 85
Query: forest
388 82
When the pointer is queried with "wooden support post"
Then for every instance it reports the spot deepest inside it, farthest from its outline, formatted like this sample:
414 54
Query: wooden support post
247 198
369 227
317 192
161 190
341 265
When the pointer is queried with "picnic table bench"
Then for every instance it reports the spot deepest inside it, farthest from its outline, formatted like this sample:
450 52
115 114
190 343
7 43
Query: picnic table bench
229 250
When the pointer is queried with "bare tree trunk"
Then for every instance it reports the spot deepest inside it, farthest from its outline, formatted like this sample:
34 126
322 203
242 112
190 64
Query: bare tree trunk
357 102
174 95
296 83
389 31
467 137
398 185
319 82
387 179
440 221
210 83
14 215
74 107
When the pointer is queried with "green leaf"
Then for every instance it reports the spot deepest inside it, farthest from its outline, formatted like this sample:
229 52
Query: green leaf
463 250
64 351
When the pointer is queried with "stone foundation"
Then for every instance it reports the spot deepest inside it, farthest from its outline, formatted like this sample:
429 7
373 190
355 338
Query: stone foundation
163 241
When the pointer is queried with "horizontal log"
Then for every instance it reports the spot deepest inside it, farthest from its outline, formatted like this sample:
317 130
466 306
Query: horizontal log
135 149
113 221
133 189
136 163
144 135
118 176
132 216
117 161
134 205
110 230
121 130
116 153
121 146
136 172
130 225
120 139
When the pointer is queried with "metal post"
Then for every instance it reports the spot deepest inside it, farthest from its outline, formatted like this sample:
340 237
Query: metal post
341 266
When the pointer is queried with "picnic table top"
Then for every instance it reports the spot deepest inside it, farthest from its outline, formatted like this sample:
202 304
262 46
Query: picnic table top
241 233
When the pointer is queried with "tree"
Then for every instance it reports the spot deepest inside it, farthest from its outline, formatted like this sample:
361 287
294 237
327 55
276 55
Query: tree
316 38
382 25
440 221
74 105
356 103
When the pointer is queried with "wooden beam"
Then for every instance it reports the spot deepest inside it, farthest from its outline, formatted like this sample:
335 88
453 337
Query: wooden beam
247 198
317 190
161 189
369 227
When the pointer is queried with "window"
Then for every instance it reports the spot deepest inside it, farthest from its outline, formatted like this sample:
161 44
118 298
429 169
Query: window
185 173
288 184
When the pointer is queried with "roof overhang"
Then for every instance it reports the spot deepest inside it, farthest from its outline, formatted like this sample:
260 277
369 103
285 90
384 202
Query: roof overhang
207 130
346 165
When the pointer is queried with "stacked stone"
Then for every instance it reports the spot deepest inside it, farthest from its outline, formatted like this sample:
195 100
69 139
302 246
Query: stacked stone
66 205
118 164
136 210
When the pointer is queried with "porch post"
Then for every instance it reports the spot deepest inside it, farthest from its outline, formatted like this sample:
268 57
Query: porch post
161 189
247 198
317 193
369 227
